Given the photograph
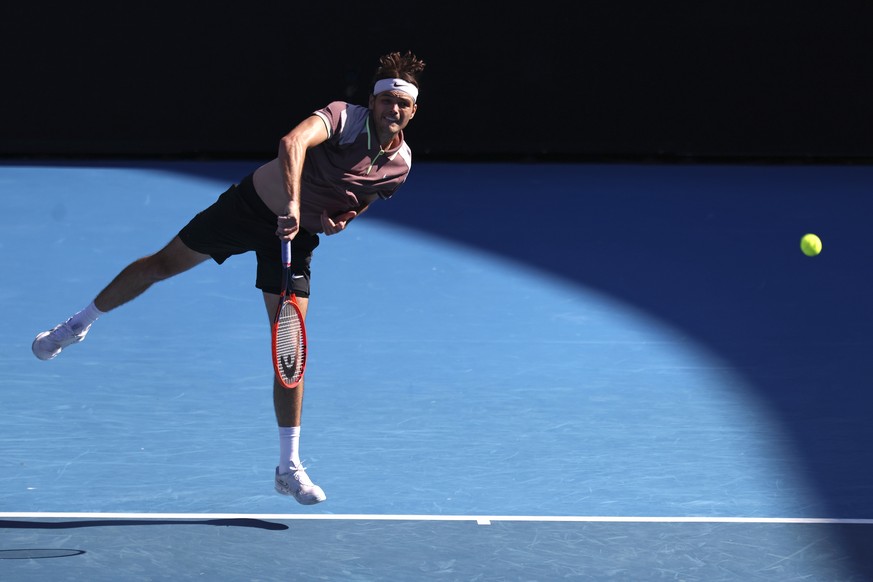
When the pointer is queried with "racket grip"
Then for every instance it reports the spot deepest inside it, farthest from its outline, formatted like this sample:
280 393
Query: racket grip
286 252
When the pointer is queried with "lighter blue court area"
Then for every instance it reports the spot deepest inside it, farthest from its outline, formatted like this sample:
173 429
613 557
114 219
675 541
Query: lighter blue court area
555 342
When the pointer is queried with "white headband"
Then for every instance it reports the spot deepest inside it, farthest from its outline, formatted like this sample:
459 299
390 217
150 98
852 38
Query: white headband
396 85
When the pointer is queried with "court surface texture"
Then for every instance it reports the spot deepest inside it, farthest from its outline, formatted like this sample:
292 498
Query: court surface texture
516 372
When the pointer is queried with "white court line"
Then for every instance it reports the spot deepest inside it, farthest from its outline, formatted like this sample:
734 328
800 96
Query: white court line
480 519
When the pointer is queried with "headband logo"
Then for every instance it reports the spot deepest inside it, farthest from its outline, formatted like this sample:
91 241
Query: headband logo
396 85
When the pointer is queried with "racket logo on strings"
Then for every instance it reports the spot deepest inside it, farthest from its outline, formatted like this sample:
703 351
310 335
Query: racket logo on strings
289 331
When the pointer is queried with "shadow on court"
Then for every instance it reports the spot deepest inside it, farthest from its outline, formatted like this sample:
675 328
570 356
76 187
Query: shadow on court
75 524
713 251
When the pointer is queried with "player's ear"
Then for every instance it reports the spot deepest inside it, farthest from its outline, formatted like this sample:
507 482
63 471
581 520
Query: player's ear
372 101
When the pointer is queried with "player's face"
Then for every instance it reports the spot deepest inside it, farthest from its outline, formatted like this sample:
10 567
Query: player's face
392 111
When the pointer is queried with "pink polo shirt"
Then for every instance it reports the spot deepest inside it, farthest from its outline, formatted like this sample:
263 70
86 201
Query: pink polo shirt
349 170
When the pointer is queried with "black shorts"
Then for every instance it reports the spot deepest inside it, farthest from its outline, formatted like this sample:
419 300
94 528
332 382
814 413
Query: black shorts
239 222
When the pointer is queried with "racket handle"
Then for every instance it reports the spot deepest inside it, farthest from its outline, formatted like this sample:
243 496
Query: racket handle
286 252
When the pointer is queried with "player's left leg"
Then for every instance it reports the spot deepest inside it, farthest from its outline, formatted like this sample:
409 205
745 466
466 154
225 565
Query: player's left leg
137 277
131 282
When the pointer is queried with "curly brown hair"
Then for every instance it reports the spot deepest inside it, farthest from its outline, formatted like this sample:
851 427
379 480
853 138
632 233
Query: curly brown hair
396 66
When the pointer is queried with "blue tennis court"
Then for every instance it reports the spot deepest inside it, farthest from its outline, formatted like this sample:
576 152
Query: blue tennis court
644 379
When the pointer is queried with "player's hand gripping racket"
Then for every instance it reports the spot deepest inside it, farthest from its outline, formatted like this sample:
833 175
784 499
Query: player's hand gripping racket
289 333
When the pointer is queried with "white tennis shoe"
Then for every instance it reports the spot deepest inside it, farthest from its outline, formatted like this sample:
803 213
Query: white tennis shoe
49 344
298 484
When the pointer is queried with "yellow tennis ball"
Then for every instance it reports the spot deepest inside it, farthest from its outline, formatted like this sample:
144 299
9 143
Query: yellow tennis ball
810 244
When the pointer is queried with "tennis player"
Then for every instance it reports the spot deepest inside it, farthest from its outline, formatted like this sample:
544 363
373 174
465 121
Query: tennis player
329 169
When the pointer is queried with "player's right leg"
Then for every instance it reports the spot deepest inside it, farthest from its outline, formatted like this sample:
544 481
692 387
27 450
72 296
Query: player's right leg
291 478
131 282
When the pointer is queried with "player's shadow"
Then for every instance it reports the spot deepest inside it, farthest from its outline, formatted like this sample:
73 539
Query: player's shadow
42 553
228 522
39 553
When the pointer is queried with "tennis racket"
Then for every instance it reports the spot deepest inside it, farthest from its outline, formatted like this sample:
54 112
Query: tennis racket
289 333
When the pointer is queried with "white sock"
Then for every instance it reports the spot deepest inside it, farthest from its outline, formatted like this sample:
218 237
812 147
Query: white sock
289 448
86 317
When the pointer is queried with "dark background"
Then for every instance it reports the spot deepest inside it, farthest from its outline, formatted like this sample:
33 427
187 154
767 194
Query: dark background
602 79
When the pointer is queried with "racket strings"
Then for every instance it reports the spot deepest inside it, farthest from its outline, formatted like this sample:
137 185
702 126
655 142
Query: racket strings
290 348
